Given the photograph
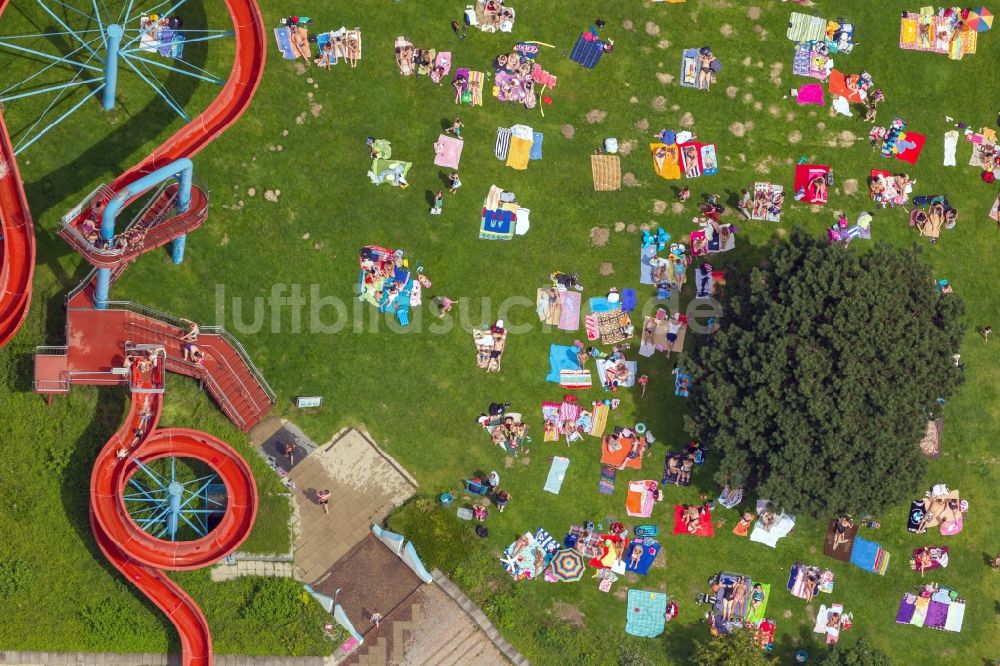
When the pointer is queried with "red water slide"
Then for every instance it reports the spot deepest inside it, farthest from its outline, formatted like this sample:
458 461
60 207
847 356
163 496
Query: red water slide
17 245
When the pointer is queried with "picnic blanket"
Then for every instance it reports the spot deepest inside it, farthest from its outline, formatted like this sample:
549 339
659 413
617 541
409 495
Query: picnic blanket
448 151
547 309
843 551
944 611
441 67
607 172
561 357
839 87
908 147
823 619
606 368
497 225
691 74
389 171
645 267
614 326
657 340
641 498
670 476
798 578
588 50
404 55
939 558
649 547
609 475
705 528
869 556
805 174
768 199
612 549
584 541
812 59
756 614
934 34
537 139
527 557
620 457
557 472
646 613
805 28
569 311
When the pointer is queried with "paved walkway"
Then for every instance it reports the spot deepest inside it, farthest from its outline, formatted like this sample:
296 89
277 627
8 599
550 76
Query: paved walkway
229 571
365 485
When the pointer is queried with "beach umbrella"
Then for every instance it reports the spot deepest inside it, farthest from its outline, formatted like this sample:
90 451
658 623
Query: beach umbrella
567 566
980 19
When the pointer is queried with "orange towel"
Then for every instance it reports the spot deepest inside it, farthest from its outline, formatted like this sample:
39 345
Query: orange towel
616 458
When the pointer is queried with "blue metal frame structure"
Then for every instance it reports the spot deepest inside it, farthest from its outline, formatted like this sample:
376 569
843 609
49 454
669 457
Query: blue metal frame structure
161 505
100 42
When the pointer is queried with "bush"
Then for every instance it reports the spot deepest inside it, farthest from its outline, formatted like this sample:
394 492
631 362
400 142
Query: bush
272 604
110 621
16 577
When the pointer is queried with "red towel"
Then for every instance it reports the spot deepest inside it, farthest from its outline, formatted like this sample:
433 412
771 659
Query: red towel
705 528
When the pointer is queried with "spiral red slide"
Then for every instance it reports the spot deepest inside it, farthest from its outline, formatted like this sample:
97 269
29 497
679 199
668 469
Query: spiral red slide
140 557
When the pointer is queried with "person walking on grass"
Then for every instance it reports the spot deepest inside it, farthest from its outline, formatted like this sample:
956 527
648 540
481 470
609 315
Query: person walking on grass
456 128
745 203
444 305
985 332
684 194
454 182
323 497
438 203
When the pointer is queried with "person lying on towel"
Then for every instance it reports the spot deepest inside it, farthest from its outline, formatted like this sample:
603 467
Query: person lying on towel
692 517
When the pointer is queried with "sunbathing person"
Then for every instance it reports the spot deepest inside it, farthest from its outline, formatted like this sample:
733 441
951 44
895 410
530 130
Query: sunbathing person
459 84
354 47
923 560
674 469
692 518
812 583
728 593
743 526
706 59
325 59
833 621
840 530
818 187
634 452
637 551
932 514
757 597
768 518
686 467
739 596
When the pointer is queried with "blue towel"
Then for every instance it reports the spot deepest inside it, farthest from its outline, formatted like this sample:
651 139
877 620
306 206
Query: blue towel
557 472
536 146
645 268
587 52
602 304
561 357
628 299
284 43
650 549
321 41
864 554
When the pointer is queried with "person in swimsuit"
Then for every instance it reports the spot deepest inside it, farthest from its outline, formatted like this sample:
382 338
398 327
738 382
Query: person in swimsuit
739 596
757 597
840 530
727 600
323 498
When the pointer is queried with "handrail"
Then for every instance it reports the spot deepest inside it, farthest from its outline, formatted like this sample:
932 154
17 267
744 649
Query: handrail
117 251
203 375
51 350
246 392
83 283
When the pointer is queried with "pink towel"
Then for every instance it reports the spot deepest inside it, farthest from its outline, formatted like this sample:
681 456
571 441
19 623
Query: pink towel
448 152
569 411
811 93
569 319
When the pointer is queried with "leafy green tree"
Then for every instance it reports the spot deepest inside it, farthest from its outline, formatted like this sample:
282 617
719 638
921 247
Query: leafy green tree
819 385
861 654
737 647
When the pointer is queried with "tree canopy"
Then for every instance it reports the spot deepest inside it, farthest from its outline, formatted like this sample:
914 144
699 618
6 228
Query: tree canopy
818 386
740 646
861 654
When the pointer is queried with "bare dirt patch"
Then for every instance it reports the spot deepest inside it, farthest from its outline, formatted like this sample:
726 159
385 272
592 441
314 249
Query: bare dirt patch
629 180
315 109
525 461
677 208
746 62
731 91
300 68
738 129
633 100
619 227
626 147
652 28
251 191
846 139
749 80
821 126
659 206
775 72
606 269
599 236
642 124
596 116
631 228
753 13
726 30
568 131
851 186
660 103
748 98
224 240
628 25
508 462
687 120
621 592
663 43
568 613
757 106
272 195
665 77
794 136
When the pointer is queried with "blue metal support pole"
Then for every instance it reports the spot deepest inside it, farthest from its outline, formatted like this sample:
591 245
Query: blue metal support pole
173 518
113 41
183 171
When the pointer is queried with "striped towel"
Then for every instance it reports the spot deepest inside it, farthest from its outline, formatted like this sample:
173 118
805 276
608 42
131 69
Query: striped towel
503 143
575 379
600 421
805 28
608 477
476 86
593 328
569 411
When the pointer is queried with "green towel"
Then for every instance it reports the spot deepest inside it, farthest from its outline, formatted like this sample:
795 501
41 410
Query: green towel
757 615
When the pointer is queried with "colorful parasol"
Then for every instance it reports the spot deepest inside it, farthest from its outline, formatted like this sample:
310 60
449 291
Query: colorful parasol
980 19
567 566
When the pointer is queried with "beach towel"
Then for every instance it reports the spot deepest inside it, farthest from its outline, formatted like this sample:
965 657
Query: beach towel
518 153
641 498
645 613
587 51
503 143
823 617
548 311
557 472
805 174
704 284
283 39
843 551
908 146
650 548
609 474
593 329
448 151
442 66
537 138
666 160
645 267
561 357
405 64
496 225
569 317
756 615
176 47
614 326
527 557
690 68
620 457
939 558
780 529
575 379
607 172
612 550
669 476
950 146
709 160
869 556
705 528
839 88
628 299
956 614
599 419
805 28
690 159
606 369
811 59
810 93
476 87
601 304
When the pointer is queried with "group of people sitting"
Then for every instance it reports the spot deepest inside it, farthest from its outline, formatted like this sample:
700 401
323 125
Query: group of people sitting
939 214
493 16
490 344
345 44
889 190
616 441
693 514
679 467
734 596
90 228
421 62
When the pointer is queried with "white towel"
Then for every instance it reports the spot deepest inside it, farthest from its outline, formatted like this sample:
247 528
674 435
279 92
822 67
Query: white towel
523 132
842 106
523 222
950 145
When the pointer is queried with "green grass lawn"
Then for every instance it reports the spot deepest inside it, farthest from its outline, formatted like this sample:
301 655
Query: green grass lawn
419 393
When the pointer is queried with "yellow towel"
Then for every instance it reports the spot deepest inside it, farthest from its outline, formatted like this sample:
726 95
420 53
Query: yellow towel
517 156
600 421
908 31
666 160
